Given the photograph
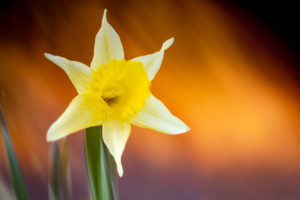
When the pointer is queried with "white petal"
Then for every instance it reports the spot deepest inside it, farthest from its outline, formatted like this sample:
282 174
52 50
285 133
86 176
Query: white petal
82 113
156 116
108 45
78 73
153 61
115 136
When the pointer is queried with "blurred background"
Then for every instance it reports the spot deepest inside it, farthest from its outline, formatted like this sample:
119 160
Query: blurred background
232 76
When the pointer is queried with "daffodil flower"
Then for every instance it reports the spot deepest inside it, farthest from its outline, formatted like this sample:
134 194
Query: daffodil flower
114 93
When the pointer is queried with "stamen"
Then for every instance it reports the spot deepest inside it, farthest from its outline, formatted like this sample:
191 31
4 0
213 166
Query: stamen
110 96
110 101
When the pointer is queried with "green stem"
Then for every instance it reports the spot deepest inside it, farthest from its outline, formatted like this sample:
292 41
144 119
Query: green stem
15 171
101 166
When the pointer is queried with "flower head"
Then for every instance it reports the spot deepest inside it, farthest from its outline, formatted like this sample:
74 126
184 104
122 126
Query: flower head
114 93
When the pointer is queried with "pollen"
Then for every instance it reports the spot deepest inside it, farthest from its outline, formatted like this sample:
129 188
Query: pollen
120 87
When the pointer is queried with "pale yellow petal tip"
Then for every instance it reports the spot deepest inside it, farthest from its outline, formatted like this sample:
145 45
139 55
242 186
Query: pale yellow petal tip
187 129
49 137
52 138
180 128
52 58
183 129
104 16
52 135
167 44
120 172
120 169
48 55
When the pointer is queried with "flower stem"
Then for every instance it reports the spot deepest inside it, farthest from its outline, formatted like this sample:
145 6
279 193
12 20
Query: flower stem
100 165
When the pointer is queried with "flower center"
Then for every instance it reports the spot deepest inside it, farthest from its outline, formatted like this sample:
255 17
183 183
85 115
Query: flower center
121 88
111 95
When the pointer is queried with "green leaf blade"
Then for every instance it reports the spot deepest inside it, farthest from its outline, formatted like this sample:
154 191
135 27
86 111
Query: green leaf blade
14 168
55 173
60 186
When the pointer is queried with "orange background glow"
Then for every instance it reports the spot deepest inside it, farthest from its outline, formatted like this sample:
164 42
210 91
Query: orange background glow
230 79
